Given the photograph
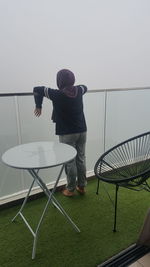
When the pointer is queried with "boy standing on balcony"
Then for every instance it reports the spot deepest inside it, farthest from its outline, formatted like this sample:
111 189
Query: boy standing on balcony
70 124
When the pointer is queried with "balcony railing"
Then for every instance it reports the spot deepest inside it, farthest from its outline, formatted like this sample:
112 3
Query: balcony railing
112 115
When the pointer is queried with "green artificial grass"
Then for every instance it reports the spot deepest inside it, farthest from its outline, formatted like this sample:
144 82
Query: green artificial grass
59 245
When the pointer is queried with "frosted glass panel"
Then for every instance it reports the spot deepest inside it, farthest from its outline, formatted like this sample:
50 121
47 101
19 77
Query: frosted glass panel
37 129
94 113
127 115
42 128
10 179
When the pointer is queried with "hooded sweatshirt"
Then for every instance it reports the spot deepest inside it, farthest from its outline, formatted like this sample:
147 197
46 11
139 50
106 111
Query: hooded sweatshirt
67 102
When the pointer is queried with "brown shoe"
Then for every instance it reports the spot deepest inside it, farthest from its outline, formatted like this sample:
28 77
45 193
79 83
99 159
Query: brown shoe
81 190
68 193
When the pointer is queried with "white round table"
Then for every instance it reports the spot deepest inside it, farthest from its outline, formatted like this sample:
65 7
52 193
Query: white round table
38 155
33 157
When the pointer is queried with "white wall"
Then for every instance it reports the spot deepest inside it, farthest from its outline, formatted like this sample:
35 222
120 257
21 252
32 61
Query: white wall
105 42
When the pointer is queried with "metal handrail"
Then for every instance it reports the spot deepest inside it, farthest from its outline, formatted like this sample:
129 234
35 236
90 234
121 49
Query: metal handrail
89 91
15 94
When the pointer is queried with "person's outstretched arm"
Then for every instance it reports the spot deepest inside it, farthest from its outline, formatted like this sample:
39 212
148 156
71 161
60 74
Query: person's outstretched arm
39 93
83 88
38 98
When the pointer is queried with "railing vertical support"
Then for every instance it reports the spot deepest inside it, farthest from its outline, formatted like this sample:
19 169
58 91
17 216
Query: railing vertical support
19 133
18 120
105 120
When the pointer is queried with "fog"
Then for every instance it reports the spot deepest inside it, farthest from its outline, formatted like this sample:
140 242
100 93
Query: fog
104 42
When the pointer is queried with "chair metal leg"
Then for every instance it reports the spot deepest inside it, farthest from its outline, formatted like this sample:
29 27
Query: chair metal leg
98 181
116 199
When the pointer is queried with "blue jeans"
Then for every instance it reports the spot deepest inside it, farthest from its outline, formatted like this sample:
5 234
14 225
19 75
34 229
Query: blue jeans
76 169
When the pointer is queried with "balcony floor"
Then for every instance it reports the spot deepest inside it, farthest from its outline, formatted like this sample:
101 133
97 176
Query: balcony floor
59 243
142 262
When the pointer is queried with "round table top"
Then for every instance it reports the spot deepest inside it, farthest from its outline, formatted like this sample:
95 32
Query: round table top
38 155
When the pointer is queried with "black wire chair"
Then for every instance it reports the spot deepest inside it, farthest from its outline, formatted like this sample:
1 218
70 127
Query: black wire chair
127 165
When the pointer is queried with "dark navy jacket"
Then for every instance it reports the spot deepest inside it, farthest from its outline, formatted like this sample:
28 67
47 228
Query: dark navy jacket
68 111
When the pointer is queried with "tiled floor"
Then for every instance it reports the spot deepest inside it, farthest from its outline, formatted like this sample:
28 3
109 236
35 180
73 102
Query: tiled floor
143 262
